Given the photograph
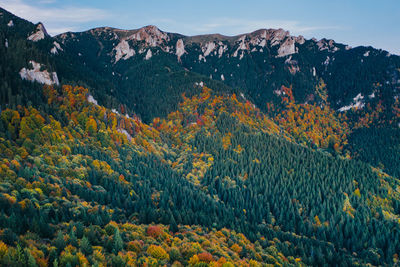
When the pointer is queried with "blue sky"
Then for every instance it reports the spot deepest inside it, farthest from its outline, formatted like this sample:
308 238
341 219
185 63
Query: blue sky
353 22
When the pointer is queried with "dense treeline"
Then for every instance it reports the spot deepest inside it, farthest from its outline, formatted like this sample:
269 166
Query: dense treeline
215 162
378 146
77 179
86 170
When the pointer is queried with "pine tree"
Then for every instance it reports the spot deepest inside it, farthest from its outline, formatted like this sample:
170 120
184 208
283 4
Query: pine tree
86 247
59 242
31 259
118 243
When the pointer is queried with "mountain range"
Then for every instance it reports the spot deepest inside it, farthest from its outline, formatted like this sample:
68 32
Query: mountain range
147 148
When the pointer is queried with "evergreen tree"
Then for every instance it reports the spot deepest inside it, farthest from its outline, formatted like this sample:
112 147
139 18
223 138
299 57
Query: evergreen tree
59 242
85 246
118 243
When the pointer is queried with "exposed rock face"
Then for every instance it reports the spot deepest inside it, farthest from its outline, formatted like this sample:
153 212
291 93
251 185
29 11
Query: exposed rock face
243 45
278 36
358 103
39 34
91 99
292 65
287 48
180 49
151 35
325 44
138 41
222 48
37 75
300 39
208 48
123 50
148 55
56 48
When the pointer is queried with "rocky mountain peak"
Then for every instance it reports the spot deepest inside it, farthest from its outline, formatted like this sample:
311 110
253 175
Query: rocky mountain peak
39 34
151 35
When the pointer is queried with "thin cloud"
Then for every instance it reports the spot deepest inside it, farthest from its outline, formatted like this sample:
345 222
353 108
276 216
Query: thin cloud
54 17
47 1
236 26
54 30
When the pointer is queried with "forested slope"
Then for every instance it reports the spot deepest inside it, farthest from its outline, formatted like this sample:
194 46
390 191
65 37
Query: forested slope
215 162
126 157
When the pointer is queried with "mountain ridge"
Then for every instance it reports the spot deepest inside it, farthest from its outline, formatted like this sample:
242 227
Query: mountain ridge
114 150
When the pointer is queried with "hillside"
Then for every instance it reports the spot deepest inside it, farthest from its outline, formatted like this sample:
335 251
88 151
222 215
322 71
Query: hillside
226 163
147 148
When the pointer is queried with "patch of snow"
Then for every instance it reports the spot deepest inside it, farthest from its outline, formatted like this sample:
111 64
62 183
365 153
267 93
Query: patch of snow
253 50
180 49
222 77
314 72
79 54
347 47
6 43
35 74
123 50
10 23
39 34
148 55
114 111
91 99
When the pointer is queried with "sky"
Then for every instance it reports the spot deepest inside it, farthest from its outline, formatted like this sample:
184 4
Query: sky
354 22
